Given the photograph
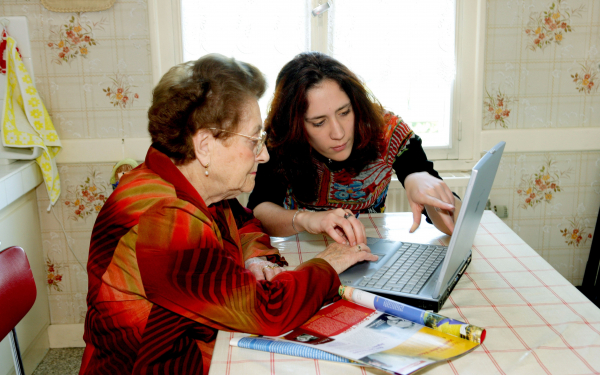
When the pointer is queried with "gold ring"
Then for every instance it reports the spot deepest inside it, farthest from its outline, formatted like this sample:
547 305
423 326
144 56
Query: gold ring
268 266
359 248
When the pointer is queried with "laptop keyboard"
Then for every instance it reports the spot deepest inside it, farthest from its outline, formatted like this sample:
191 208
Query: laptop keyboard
410 271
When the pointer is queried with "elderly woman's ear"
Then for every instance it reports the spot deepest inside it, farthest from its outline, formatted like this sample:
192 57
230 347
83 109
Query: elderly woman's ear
203 144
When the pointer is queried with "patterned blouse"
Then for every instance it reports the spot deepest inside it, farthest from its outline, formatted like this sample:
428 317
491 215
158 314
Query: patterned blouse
166 272
338 188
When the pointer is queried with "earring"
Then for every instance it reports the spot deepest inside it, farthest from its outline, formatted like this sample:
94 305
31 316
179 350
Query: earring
205 167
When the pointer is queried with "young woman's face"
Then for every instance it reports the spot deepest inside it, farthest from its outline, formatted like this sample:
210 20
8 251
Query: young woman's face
329 121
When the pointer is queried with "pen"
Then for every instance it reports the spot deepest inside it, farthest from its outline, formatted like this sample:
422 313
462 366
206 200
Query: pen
358 213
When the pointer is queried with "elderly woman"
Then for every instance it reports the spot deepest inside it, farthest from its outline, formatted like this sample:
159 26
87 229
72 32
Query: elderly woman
173 255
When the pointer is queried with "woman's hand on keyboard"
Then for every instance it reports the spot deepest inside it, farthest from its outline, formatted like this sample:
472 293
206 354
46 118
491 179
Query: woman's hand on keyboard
342 225
341 256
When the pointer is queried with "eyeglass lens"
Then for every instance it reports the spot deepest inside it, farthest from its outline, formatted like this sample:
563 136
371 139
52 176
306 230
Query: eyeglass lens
261 142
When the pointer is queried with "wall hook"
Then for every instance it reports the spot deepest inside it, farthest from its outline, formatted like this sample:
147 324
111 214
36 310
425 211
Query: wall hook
321 9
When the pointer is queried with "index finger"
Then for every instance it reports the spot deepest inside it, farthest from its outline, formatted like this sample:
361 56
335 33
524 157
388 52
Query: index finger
359 229
337 235
435 202
348 230
445 194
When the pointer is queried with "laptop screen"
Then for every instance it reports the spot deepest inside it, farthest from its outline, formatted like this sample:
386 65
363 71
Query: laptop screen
475 199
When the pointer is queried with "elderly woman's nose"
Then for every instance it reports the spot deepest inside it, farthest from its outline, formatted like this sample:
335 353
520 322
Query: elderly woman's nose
263 157
336 130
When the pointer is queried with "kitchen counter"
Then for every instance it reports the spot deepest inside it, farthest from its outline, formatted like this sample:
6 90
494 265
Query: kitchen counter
16 179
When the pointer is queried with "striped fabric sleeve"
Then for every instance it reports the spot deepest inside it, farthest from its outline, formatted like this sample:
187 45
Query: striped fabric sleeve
255 242
185 268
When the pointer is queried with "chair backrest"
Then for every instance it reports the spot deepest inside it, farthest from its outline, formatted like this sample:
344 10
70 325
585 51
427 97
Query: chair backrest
17 288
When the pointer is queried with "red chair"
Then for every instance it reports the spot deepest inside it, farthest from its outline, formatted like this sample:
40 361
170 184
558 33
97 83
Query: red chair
17 295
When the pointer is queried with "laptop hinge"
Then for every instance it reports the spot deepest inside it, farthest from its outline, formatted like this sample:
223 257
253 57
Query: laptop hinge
453 281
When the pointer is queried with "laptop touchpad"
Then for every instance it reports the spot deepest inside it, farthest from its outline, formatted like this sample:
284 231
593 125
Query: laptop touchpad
362 268
380 255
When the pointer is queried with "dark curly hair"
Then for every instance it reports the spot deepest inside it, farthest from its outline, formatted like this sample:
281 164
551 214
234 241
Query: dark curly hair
209 92
287 138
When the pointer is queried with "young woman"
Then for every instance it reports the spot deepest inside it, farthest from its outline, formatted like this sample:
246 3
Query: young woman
333 151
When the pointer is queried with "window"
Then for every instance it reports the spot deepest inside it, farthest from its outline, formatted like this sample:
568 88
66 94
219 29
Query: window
416 57
264 33
405 52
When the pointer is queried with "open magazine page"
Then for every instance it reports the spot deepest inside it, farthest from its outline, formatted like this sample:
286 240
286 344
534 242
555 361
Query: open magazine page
381 340
427 318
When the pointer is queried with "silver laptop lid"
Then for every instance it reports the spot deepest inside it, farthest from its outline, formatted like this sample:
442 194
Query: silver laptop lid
474 201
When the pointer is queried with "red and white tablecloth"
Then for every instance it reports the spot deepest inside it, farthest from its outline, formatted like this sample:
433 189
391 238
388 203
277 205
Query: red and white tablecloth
536 321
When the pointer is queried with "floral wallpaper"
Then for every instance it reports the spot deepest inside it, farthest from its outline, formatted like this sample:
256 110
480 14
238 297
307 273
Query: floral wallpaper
542 66
553 202
94 75
120 91
66 232
87 198
543 56
542 186
54 275
73 39
586 79
550 26
577 233
497 109
93 70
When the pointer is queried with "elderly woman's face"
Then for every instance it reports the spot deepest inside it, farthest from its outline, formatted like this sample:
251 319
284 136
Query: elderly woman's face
235 163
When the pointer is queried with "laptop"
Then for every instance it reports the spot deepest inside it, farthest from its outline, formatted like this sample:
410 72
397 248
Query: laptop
423 275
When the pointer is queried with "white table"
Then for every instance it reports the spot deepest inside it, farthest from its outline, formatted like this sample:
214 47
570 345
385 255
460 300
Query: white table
536 321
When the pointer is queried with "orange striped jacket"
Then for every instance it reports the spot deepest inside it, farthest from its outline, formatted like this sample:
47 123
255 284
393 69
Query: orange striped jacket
166 272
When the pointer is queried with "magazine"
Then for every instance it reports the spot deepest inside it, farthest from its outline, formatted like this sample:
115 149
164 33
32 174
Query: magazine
398 339
427 318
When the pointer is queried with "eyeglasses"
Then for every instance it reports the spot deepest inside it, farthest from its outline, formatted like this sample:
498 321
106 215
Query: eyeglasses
261 139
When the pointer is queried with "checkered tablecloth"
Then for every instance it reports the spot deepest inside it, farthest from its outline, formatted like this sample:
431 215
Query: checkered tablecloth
536 321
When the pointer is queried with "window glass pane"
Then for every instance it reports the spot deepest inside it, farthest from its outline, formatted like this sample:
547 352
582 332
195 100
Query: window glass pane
404 50
264 33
